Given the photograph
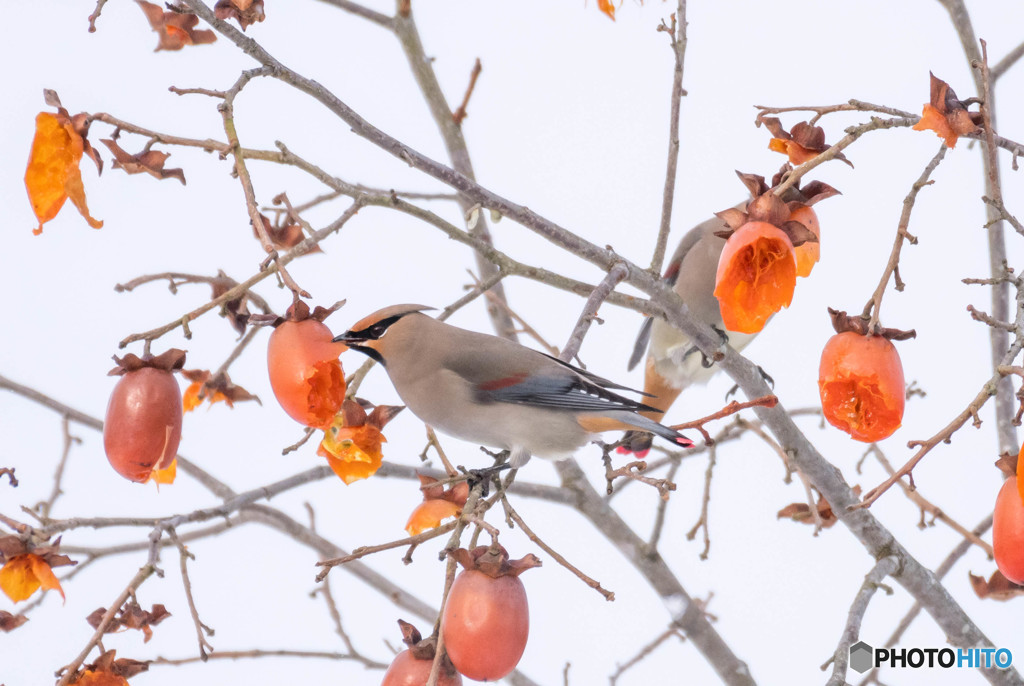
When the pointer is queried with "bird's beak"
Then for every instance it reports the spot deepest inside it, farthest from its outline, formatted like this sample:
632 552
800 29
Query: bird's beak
346 338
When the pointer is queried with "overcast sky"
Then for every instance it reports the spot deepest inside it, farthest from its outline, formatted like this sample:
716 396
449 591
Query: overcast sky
569 117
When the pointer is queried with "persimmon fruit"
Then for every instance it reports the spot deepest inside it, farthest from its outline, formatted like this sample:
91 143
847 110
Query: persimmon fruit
408 670
143 423
808 253
486 624
756 276
861 383
1008 532
305 373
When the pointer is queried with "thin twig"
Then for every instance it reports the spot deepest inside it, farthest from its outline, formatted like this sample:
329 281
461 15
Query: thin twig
227 111
257 653
202 630
730 409
373 16
702 521
96 15
589 313
659 515
874 306
592 583
460 114
887 566
927 506
644 652
365 550
45 508
332 607
677 31
242 288
458 153
997 256
944 435
1003 65
70 670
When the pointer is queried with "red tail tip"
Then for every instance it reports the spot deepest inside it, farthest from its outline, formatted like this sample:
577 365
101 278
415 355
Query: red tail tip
685 442
642 454
622 450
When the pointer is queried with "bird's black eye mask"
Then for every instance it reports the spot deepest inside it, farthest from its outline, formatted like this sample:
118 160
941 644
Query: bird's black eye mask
372 333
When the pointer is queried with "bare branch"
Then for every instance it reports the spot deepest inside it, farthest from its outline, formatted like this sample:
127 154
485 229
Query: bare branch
874 306
678 33
887 566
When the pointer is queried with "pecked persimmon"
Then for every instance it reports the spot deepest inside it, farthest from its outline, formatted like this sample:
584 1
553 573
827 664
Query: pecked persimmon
808 253
756 276
486 617
860 380
1008 531
305 372
143 423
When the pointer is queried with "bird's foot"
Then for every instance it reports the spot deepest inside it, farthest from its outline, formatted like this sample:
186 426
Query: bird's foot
764 375
483 476
637 443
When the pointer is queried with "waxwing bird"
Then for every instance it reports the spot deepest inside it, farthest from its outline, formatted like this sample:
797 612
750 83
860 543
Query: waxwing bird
673 362
492 391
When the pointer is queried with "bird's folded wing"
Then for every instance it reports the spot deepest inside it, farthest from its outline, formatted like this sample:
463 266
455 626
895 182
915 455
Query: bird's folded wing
556 392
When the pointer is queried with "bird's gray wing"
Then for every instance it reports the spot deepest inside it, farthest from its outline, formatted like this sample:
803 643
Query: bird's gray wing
563 392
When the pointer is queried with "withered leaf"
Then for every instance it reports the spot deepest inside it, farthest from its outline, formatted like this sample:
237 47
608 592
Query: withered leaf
998 587
804 142
176 29
1008 464
12 545
148 161
130 616
801 512
945 114
9 622
235 310
213 388
246 12
284 235
122 667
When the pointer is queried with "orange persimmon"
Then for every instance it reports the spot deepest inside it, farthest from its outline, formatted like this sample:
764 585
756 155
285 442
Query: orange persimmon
860 380
305 372
756 276
1008 531
807 254
352 452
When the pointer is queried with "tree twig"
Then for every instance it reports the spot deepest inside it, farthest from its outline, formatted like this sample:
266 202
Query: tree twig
677 31
887 566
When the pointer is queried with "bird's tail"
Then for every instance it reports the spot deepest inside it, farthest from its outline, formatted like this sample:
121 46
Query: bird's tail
638 421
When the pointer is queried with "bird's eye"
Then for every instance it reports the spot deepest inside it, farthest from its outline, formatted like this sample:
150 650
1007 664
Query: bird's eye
377 330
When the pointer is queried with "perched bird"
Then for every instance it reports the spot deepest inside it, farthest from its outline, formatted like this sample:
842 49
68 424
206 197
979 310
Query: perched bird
491 391
673 362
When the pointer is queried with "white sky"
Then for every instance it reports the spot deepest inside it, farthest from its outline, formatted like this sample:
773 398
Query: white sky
570 118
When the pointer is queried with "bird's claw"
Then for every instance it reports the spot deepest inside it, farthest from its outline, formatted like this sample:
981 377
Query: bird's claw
483 476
